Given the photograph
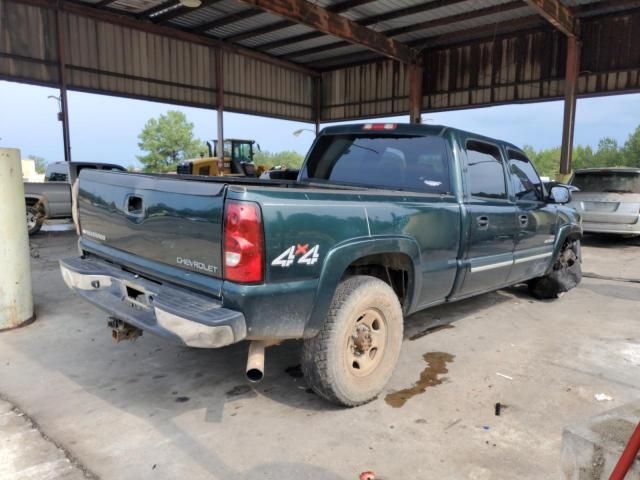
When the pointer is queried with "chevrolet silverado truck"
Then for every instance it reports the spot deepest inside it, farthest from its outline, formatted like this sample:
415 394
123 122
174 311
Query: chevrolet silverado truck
383 220
52 198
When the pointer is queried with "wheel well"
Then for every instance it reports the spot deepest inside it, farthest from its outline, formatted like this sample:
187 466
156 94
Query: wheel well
392 268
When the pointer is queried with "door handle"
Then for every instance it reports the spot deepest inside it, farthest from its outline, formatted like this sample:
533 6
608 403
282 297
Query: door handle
524 220
483 221
134 205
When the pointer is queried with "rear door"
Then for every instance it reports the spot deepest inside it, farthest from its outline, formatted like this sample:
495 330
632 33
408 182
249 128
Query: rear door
536 220
491 220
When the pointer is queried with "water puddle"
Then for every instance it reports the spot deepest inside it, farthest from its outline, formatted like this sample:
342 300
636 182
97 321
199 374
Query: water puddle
433 329
436 365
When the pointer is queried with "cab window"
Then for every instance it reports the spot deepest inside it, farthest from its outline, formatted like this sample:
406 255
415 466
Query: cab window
485 171
58 177
399 162
524 178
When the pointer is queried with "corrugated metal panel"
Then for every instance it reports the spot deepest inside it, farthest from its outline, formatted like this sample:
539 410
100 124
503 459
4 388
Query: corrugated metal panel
610 54
521 67
206 14
288 32
378 89
28 43
134 6
113 59
256 87
106 57
316 42
244 25
467 24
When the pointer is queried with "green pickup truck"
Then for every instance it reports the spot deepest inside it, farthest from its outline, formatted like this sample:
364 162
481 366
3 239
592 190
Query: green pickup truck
383 220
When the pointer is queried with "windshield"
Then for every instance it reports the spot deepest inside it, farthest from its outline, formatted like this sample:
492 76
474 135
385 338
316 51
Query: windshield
607 182
394 162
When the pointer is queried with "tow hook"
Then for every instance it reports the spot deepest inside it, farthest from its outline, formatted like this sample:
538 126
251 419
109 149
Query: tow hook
122 331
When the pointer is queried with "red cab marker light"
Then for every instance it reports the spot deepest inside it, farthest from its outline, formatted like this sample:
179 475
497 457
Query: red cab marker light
379 126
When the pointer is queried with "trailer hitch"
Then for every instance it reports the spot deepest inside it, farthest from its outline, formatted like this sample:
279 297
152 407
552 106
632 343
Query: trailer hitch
121 330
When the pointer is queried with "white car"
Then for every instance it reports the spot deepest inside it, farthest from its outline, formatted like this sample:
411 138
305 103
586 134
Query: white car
608 200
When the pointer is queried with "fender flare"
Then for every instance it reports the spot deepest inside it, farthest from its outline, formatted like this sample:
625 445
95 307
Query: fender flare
565 231
338 260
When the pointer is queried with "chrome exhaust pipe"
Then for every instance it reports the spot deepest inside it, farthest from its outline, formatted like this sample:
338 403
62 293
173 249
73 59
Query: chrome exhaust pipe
255 361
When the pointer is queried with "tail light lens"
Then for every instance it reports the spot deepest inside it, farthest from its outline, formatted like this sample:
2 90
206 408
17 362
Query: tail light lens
243 242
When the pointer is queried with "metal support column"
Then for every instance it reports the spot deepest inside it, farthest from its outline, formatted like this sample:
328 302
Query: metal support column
63 116
220 104
572 72
317 102
415 93
16 296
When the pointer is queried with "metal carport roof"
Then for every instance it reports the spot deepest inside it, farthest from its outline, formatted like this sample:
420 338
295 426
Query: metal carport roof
327 60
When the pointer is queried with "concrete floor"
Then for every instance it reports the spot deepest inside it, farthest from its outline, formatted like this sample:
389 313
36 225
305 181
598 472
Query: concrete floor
154 410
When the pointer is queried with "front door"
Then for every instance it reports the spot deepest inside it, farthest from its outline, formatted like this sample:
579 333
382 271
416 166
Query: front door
536 220
490 219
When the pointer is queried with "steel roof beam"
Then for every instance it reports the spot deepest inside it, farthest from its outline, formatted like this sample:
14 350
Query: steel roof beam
439 22
556 14
421 8
330 23
447 40
335 8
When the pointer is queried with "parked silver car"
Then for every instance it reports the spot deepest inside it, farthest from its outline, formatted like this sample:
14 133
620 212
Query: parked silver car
608 200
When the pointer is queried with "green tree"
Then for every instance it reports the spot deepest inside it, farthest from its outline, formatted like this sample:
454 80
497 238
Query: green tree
546 161
41 163
285 158
168 140
583 157
608 154
631 149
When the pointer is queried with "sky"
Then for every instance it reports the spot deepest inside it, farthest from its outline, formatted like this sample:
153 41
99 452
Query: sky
105 129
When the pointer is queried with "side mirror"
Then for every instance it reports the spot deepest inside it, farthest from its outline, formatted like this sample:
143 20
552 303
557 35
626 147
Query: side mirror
559 194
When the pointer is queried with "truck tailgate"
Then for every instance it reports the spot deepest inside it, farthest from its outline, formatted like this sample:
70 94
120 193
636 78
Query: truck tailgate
176 222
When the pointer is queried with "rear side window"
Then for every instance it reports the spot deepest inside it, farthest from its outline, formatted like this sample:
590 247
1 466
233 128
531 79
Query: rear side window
524 178
400 162
485 171
58 177
607 182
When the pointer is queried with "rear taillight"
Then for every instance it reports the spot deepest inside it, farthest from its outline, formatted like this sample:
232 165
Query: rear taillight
243 242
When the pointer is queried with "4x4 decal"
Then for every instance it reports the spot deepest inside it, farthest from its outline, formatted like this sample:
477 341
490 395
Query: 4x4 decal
288 257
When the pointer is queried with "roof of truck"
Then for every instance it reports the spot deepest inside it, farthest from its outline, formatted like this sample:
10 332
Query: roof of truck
408 129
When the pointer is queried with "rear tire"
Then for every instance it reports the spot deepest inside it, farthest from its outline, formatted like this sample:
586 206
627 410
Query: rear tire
353 356
566 273
34 222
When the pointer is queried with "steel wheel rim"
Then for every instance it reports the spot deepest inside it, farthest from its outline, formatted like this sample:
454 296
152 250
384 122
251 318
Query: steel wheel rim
366 342
31 220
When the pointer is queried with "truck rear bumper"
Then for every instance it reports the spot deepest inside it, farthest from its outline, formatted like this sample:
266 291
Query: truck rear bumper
165 310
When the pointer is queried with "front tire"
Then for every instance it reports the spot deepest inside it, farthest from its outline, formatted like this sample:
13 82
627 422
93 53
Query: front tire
566 273
34 222
353 356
